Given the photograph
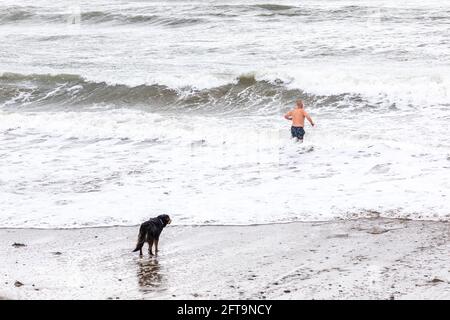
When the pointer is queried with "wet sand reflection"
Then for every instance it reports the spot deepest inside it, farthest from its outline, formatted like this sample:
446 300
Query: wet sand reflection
149 274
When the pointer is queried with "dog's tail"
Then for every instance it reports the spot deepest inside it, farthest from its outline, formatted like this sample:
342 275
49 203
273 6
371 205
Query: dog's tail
141 239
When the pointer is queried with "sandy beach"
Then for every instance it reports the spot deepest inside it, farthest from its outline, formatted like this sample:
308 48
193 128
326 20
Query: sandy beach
352 259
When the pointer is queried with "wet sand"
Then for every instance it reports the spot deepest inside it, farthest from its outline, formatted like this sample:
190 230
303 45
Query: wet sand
352 259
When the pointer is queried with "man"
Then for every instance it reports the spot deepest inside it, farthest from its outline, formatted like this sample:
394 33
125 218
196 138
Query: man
298 116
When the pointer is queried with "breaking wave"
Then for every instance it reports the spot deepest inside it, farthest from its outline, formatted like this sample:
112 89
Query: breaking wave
244 94
30 14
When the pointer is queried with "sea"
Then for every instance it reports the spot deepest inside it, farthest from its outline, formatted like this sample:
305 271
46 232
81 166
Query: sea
116 111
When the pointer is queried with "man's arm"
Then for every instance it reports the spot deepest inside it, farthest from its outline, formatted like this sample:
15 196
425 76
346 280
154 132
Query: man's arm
308 117
288 116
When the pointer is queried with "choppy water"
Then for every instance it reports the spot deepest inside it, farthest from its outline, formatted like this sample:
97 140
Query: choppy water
115 111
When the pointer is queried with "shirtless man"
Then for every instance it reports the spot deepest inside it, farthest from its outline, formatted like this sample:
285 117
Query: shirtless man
298 116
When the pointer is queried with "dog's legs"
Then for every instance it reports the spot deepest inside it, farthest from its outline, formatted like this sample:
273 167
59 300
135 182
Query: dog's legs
150 245
156 245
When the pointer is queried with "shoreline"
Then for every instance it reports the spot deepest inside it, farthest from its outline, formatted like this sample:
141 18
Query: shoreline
366 258
336 220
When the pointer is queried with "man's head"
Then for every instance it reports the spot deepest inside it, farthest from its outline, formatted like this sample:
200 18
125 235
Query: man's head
299 104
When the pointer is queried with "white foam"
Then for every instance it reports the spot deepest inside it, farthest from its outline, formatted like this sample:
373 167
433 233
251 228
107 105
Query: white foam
402 85
73 169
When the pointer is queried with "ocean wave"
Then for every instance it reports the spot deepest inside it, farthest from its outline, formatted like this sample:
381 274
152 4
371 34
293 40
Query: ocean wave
32 14
155 15
122 18
16 14
246 93
273 7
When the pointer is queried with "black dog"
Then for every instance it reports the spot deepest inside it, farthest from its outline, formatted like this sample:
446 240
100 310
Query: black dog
150 231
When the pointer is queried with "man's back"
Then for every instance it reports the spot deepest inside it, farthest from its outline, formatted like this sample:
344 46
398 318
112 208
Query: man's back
298 117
